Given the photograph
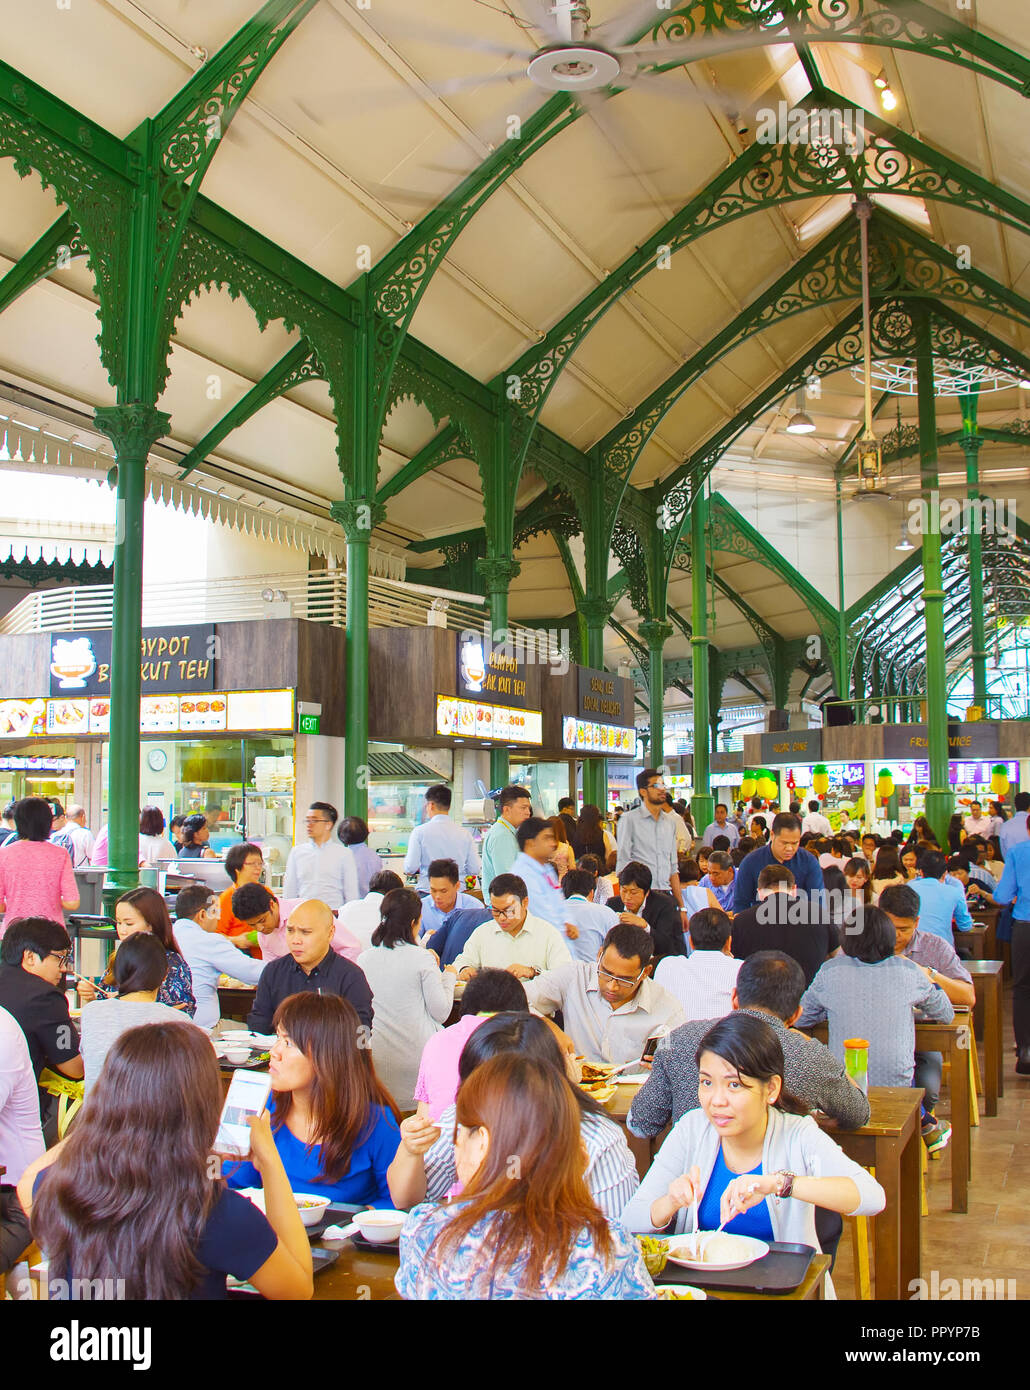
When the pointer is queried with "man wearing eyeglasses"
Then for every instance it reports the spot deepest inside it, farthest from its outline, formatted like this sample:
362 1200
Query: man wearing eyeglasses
34 955
514 940
323 868
611 1006
646 836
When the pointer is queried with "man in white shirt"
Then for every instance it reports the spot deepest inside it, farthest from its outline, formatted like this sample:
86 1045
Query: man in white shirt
976 823
322 868
646 836
439 838
362 918
515 940
80 835
704 981
815 822
722 825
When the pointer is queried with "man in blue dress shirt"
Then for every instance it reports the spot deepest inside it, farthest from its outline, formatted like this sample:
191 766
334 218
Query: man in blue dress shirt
782 848
722 825
444 898
1015 830
439 838
1015 888
592 920
719 878
940 903
537 845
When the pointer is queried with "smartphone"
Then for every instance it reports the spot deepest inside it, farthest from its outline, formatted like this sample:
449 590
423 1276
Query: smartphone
650 1048
247 1095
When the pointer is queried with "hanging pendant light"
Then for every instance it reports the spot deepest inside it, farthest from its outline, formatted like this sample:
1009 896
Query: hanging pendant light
800 422
870 458
904 542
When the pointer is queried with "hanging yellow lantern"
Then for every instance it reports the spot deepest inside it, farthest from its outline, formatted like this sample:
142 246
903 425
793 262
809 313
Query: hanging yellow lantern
820 780
884 785
768 787
747 787
999 779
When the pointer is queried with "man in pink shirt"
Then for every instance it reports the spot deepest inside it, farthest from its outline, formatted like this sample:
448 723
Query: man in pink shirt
489 992
36 877
267 915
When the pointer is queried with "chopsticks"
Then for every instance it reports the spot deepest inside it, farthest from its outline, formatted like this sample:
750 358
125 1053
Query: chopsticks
110 993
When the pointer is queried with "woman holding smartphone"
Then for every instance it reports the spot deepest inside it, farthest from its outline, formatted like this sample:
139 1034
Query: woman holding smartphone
133 1197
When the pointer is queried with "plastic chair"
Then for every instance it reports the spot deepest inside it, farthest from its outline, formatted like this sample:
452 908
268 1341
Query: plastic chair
70 1095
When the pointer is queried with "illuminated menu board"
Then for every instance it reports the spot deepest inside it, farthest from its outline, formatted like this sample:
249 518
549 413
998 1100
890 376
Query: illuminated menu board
265 711
493 723
582 736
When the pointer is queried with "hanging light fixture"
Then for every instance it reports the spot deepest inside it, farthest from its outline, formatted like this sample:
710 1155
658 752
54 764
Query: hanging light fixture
870 459
904 543
800 422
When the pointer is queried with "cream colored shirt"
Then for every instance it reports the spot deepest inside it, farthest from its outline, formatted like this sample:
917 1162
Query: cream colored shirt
537 944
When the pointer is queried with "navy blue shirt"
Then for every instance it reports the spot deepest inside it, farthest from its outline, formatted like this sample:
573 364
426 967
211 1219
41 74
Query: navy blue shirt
804 866
332 975
448 941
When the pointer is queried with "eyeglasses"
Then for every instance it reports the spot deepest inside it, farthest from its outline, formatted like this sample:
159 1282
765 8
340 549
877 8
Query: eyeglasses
620 981
66 958
505 914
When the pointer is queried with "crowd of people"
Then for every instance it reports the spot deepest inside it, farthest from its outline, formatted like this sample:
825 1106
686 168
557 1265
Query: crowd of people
428 1041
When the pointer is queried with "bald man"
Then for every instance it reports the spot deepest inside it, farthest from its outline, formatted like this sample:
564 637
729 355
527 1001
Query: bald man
80 835
311 966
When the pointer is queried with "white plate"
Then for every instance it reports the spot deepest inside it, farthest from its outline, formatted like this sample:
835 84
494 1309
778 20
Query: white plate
696 1295
750 1250
637 1079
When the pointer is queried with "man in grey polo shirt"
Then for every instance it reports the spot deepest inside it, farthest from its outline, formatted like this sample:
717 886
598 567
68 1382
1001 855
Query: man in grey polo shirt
646 836
610 1006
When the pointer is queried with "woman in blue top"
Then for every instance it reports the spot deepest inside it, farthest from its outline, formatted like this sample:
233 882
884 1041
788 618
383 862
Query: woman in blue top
334 1123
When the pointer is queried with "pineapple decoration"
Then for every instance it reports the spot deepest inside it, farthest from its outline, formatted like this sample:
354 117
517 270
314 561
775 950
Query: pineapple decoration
884 785
999 780
768 787
747 787
820 780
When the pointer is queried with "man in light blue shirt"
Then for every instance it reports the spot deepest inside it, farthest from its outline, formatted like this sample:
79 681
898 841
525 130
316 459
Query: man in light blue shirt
940 903
719 878
722 825
439 838
1014 830
1015 888
646 836
591 920
444 898
500 846
533 865
207 953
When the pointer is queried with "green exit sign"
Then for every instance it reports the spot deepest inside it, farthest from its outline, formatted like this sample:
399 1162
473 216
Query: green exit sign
310 723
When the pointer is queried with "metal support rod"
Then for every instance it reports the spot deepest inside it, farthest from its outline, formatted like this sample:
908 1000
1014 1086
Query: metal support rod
842 672
971 445
702 803
656 634
939 799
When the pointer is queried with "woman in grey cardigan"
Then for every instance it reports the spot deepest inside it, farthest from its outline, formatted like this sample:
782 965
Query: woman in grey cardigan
743 1157
411 997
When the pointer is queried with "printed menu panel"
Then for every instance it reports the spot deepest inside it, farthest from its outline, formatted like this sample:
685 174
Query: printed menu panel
202 712
259 709
159 714
584 736
22 718
495 723
67 717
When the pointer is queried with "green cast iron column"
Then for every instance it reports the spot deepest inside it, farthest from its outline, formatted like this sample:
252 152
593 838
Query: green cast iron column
358 519
841 672
595 612
971 445
702 803
939 799
132 430
656 635
498 571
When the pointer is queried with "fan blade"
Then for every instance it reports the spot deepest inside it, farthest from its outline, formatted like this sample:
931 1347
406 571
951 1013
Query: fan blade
464 84
730 103
621 29
449 38
542 18
707 46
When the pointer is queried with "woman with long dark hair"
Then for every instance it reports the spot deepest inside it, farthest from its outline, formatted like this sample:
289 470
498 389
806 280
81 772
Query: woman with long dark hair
195 835
130 1196
590 835
525 1225
154 844
956 833
144 910
887 870
334 1123
411 997
425 1165
749 1156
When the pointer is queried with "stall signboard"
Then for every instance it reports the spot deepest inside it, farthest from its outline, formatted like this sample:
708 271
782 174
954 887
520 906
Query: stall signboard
469 719
172 659
264 711
492 673
604 699
960 774
38 764
583 736
801 744
901 741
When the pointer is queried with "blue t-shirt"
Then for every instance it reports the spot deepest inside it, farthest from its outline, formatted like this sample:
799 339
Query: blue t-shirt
364 1182
237 1240
754 1222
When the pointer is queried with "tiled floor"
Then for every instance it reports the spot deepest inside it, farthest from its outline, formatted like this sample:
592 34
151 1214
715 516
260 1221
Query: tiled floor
992 1239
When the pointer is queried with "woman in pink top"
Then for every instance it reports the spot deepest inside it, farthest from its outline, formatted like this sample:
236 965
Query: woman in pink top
36 877
488 992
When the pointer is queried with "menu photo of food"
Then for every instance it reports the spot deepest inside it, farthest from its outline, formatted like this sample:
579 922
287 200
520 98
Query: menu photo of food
484 721
100 716
202 712
22 718
67 716
446 715
568 731
159 714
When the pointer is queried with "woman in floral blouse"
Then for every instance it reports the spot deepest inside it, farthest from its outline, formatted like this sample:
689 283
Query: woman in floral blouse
143 909
524 1226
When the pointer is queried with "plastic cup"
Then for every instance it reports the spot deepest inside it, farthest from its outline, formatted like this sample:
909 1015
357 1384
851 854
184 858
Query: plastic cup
856 1062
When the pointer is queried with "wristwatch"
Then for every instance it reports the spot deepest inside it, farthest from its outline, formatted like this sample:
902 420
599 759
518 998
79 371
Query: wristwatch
784 1184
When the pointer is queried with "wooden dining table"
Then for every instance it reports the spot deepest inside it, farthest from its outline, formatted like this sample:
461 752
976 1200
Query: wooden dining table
987 1015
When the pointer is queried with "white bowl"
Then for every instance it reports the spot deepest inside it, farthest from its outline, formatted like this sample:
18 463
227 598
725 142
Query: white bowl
313 1208
236 1054
380 1227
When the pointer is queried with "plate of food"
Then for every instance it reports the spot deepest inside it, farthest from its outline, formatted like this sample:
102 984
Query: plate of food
718 1250
680 1293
